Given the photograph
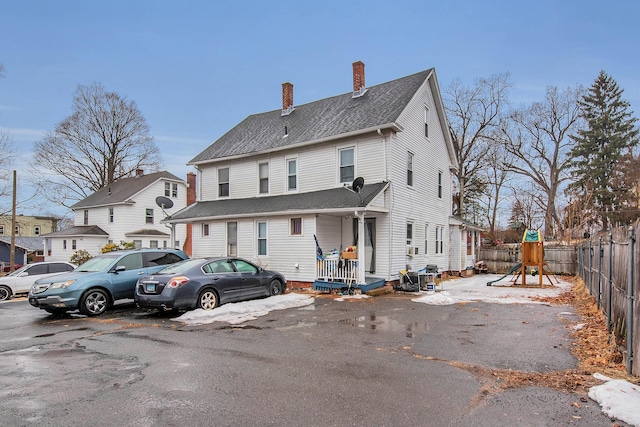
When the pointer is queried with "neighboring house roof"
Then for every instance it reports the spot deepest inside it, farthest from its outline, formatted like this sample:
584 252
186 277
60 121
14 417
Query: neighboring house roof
457 221
147 232
79 230
337 199
328 118
26 243
122 190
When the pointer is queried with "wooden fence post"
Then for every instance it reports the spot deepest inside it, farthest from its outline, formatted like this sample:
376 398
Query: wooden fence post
630 298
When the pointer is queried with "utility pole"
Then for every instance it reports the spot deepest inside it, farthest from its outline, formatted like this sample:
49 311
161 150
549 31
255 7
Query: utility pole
12 257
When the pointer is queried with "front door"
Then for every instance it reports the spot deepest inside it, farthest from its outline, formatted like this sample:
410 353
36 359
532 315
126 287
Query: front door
369 242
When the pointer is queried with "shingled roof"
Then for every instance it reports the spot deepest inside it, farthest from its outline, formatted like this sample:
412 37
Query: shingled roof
337 199
79 230
327 118
122 190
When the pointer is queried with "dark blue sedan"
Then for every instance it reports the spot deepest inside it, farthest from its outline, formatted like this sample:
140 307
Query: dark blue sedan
206 283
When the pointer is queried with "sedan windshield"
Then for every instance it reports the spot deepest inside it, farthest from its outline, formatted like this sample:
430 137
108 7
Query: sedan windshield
98 263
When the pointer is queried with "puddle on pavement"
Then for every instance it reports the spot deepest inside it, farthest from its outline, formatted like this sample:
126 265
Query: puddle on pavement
386 324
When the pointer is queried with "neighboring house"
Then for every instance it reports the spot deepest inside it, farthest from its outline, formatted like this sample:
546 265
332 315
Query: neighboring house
27 250
28 226
278 180
125 210
465 238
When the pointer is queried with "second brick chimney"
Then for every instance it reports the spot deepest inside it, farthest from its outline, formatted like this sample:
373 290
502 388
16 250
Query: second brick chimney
287 98
358 76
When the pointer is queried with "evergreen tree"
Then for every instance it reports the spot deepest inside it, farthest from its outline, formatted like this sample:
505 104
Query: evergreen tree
603 152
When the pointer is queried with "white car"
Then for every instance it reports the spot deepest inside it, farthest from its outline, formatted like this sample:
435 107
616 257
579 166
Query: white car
20 281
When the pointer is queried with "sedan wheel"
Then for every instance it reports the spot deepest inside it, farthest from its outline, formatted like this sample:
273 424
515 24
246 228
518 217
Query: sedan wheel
208 300
275 288
5 293
94 302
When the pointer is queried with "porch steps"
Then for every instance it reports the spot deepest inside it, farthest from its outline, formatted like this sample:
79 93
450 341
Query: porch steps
370 284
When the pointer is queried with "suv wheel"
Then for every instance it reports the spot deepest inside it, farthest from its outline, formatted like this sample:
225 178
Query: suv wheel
94 302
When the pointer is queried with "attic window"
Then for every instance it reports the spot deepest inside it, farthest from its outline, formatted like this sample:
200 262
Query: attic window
358 93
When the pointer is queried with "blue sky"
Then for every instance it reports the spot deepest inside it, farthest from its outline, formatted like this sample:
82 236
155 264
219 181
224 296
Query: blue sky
197 68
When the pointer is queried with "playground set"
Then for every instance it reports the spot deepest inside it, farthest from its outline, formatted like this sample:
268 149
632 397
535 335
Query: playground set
532 256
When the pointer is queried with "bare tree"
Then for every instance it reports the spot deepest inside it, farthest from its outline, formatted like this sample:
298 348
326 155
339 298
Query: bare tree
474 113
106 138
538 138
496 175
6 160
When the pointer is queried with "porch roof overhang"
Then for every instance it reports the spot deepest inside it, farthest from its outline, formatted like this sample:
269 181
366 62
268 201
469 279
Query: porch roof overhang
459 222
337 201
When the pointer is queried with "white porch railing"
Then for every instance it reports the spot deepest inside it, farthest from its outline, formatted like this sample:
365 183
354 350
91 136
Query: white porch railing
338 270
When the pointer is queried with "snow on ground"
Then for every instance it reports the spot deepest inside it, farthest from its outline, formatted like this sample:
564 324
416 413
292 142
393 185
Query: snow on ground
475 288
618 399
240 312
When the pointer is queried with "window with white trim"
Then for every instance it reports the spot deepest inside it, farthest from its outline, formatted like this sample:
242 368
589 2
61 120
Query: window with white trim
427 118
410 169
409 233
439 239
153 244
86 217
296 226
74 244
347 165
440 184
232 238
263 173
262 238
205 230
110 215
223 182
426 239
292 174
148 216
1 230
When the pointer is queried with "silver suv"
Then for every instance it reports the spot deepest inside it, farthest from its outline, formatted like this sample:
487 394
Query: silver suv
94 286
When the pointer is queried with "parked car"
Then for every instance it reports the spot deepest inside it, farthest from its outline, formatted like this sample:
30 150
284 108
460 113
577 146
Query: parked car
95 285
206 283
20 281
7 268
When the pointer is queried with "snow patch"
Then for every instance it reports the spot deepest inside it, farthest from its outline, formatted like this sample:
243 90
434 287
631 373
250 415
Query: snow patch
618 398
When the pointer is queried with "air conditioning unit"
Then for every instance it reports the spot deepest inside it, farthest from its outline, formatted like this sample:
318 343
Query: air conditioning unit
410 250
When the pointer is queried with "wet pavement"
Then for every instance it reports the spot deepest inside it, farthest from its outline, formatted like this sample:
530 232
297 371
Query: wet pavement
384 361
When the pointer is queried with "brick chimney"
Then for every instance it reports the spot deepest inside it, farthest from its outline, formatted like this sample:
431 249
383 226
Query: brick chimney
139 172
287 98
358 76
191 199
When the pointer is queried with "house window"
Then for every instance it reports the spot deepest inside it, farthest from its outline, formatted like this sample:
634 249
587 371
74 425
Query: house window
153 244
232 238
171 189
74 245
410 169
440 185
164 244
292 174
137 244
439 239
64 244
427 117
174 190
409 233
296 226
347 165
262 238
426 239
149 216
86 217
223 182
263 172
1 229
111 215
167 189
205 230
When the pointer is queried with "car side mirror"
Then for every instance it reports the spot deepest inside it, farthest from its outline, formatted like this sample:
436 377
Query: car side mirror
119 268
23 274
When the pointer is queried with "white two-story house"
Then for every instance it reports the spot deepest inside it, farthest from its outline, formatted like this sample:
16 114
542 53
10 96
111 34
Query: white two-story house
125 210
280 184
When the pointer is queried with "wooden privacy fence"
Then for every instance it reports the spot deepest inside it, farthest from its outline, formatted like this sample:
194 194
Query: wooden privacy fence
608 264
561 259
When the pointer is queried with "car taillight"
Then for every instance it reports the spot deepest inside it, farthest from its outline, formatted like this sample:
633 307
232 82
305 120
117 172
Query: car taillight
176 282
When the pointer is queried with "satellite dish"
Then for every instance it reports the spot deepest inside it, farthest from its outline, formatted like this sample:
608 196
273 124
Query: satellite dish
164 202
357 185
